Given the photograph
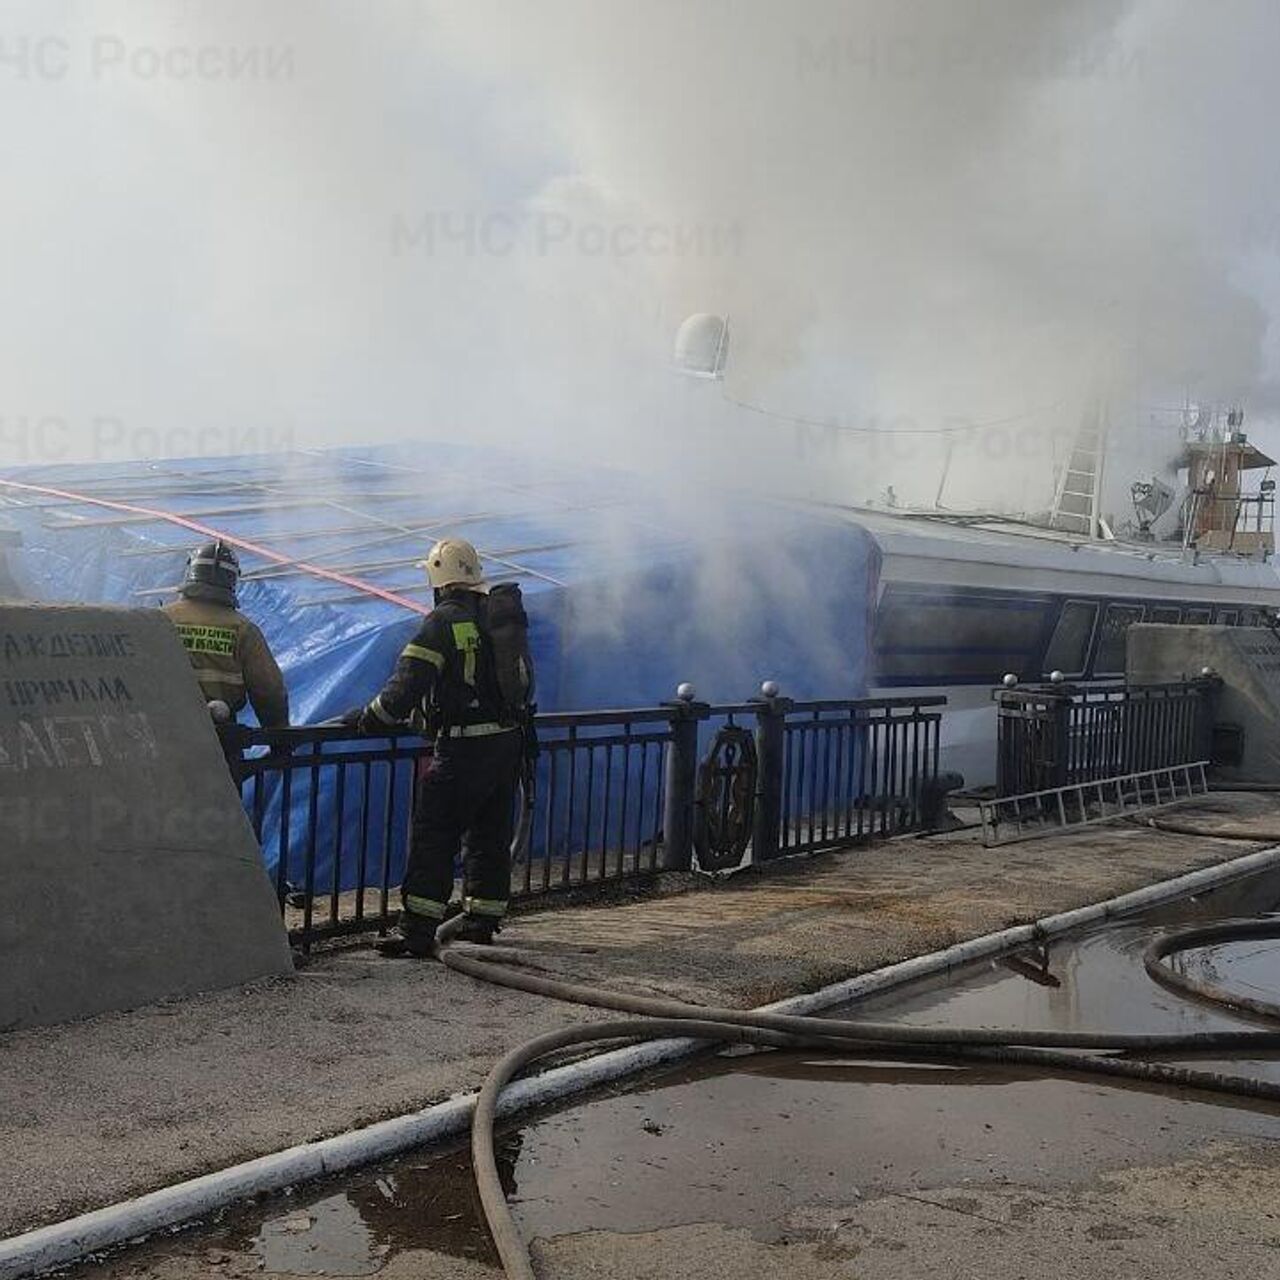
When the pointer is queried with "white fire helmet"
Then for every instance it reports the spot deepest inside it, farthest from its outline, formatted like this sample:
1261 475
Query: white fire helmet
454 562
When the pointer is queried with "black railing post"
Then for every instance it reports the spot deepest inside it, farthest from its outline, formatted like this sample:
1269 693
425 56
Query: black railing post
771 719
681 778
1059 705
1207 687
1008 748
233 738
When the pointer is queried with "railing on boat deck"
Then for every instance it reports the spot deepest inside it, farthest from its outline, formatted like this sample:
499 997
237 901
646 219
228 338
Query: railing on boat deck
616 796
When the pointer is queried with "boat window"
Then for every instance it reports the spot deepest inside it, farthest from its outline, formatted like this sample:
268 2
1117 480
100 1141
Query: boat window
925 639
1227 617
1069 648
1165 615
1198 617
1250 618
1115 622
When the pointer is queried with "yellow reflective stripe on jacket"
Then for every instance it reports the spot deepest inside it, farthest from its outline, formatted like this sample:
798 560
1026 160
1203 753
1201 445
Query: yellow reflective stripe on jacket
423 654
216 675
381 713
428 907
485 906
466 638
485 730
206 639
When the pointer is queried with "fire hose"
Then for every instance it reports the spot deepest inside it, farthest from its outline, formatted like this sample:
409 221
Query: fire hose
1186 984
660 1019
1221 830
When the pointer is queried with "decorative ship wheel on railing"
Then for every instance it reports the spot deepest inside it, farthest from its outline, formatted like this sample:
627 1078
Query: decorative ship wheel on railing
726 799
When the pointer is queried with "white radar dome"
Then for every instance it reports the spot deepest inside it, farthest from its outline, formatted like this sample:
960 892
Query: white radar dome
702 345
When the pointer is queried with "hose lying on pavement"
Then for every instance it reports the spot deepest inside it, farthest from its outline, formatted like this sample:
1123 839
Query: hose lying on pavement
667 1019
1212 833
1222 831
1207 936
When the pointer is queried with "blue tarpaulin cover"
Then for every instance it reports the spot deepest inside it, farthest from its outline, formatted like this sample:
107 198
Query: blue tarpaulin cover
626 600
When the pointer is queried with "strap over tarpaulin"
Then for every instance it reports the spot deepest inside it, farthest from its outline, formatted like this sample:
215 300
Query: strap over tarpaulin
208 531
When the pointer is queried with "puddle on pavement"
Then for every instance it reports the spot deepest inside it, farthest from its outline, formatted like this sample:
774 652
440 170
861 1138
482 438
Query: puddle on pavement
1096 980
353 1232
757 1141
1242 968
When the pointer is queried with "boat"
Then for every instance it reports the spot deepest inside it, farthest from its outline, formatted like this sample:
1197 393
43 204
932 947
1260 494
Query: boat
963 604
968 600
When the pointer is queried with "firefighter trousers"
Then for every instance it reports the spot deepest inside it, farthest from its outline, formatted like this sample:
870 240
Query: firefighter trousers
466 802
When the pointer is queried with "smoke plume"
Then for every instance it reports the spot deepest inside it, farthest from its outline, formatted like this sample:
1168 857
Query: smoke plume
941 231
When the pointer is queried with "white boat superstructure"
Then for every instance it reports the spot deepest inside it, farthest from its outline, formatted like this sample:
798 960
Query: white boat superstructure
964 600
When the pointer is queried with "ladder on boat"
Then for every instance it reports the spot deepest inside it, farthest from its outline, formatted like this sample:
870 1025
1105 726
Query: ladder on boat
1078 497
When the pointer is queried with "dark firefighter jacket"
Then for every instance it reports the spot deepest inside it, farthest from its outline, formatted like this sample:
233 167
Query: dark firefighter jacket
444 677
231 659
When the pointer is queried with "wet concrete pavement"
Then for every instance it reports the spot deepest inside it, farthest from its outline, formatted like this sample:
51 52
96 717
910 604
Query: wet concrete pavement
1097 981
829 1167
97 1111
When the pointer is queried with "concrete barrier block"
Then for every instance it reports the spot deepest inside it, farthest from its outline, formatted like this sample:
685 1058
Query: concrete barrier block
128 870
1247 660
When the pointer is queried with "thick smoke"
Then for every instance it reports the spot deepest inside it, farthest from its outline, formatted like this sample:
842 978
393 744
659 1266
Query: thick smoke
485 221
948 213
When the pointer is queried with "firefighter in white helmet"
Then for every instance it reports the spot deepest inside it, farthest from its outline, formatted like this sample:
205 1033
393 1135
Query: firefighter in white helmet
459 687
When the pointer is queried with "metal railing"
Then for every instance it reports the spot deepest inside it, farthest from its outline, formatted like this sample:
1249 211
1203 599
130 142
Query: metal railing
855 770
615 795
598 804
1058 735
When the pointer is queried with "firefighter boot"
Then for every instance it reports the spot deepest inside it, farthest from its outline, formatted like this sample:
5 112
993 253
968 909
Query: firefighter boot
477 929
415 937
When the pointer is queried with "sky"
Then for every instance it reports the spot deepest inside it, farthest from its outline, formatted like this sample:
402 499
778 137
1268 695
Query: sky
941 230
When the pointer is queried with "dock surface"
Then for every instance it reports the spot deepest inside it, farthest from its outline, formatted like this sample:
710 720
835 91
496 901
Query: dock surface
113 1106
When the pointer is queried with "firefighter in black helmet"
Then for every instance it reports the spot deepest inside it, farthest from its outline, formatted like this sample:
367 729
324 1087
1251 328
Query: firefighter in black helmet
446 682
228 653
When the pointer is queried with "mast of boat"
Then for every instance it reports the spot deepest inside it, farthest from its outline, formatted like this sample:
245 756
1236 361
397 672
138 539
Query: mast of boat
1217 515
